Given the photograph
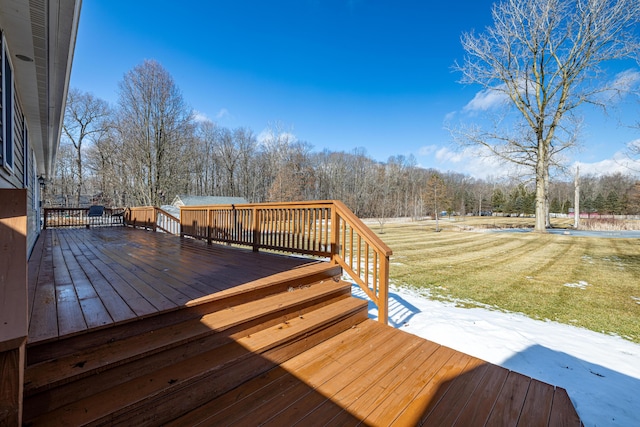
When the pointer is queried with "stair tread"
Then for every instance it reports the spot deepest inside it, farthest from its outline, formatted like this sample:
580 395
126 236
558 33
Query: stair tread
178 376
250 396
59 370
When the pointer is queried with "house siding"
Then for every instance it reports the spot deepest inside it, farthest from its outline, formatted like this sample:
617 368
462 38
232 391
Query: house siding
18 177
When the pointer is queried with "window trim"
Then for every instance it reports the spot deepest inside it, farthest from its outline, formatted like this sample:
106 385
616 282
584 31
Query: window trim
8 108
25 154
35 185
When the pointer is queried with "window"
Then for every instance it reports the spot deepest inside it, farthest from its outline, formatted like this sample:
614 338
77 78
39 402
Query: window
25 145
6 103
35 184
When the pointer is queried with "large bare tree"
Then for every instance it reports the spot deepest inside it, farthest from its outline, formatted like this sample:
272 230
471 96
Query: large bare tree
436 196
85 120
544 58
156 126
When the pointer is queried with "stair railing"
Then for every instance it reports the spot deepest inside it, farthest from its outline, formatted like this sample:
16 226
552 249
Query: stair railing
152 218
320 228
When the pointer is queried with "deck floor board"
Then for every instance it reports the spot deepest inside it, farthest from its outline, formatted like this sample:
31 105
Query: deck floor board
85 278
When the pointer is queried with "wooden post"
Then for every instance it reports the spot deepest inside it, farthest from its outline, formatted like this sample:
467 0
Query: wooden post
383 290
335 233
576 200
256 229
210 227
13 304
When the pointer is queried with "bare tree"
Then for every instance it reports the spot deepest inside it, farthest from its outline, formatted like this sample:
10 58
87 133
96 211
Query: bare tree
436 196
64 182
106 163
544 57
246 143
382 201
155 125
85 119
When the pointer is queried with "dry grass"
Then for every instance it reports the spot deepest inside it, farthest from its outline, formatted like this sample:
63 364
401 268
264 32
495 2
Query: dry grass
609 224
583 281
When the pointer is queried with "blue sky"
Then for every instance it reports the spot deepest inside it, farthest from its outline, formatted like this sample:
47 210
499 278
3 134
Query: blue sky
339 74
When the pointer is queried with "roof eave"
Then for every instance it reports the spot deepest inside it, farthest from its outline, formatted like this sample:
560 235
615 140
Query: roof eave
46 32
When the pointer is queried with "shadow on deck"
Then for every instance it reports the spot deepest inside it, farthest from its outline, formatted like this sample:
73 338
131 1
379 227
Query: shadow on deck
137 328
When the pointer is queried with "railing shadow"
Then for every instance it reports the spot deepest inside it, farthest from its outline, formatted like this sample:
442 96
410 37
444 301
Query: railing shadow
617 394
586 382
598 395
400 310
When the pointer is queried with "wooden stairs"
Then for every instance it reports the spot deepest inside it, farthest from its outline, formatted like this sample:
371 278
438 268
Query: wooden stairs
154 370
294 348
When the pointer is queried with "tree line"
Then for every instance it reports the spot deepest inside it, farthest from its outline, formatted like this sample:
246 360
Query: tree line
149 148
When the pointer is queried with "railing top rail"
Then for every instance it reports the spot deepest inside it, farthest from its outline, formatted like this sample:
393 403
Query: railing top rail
267 205
134 208
362 228
344 211
167 214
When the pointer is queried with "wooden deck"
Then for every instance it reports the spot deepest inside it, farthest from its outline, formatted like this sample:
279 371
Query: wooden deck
151 329
81 279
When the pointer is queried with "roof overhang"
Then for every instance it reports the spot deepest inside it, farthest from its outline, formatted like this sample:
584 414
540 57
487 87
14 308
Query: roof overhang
44 31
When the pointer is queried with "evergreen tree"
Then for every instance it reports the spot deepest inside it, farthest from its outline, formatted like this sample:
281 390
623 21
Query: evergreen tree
498 200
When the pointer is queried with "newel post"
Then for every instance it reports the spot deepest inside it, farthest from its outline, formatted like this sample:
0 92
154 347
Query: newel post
181 223
154 217
335 233
383 297
255 225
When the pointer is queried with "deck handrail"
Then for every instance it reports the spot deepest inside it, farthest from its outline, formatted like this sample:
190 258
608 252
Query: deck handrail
79 217
153 218
322 228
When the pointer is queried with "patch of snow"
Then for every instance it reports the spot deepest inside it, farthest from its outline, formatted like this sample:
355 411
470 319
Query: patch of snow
587 258
636 299
580 285
600 372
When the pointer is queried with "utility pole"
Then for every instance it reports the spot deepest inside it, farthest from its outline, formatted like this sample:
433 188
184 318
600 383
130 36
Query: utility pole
435 205
576 200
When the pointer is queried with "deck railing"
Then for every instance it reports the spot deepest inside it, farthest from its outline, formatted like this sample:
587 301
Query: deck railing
320 228
79 217
152 218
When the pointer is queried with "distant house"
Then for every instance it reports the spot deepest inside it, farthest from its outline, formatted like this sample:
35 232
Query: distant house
186 200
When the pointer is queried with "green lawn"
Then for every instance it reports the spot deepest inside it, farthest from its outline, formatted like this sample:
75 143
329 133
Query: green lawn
583 281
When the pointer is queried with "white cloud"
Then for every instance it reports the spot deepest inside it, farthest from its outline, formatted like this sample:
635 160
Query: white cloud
269 136
484 100
200 117
223 114
427 150
450 116
445 154
620 162
473 161
627 80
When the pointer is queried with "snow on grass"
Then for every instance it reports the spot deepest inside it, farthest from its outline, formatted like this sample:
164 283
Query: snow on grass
600 372
580 285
